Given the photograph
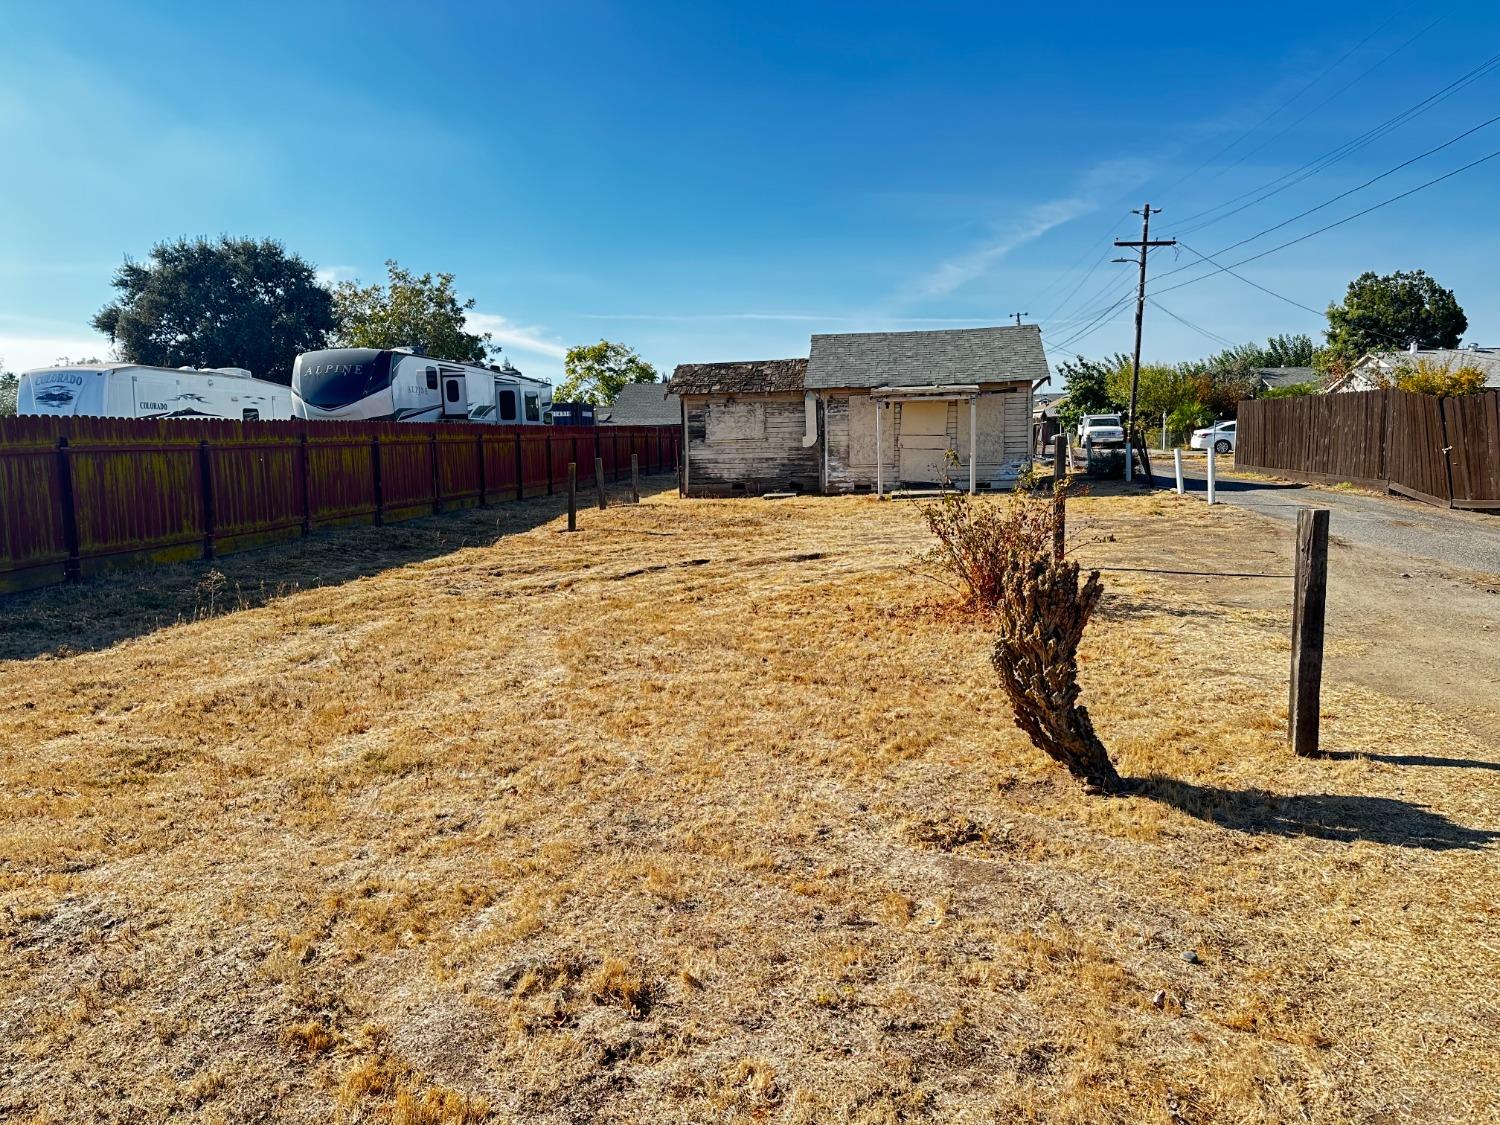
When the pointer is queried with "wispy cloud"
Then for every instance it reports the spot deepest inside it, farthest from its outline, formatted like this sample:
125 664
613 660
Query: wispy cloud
526 338
332 275
1099 184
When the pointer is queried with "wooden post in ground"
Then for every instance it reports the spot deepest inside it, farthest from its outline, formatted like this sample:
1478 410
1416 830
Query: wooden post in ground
572 495
599 481
1309 601
1059 499
635 478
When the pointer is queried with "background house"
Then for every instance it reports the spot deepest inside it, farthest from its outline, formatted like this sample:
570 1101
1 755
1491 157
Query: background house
864 411
642 404
1275 378
1374 370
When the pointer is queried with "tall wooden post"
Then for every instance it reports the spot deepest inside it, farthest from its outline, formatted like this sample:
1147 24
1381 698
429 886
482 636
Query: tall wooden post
1059 498
635 478
1309 602
572 495
73 564
599 481
206 488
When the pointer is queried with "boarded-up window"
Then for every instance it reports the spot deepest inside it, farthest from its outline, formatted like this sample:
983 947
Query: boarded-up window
736 421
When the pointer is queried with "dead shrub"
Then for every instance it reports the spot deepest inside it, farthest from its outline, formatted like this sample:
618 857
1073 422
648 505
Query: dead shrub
1004 556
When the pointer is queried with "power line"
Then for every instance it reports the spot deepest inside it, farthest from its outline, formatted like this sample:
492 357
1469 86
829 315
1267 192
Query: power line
1247 281
1348 148
1214 336
1338 223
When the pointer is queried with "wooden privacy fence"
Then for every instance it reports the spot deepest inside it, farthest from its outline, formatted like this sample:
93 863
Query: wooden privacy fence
81 494
1444 451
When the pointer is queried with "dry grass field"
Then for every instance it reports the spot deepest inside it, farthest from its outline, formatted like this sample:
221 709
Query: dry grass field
714 812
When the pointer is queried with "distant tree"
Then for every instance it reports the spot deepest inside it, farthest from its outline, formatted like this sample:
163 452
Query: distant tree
1087 382
421 312
1392 312
1288 351
10 386
597 372
227 302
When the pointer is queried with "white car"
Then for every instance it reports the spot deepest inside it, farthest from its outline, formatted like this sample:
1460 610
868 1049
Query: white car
1219 437
1101 429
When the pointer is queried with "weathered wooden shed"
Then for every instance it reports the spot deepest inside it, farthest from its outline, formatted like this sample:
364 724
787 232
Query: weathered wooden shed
744 428
867 410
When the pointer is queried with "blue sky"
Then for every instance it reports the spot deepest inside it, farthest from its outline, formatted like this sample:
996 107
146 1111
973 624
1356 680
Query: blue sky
710 182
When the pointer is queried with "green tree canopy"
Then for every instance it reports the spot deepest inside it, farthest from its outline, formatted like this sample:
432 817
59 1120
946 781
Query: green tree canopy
596 372
10 386
226 302
409 311
1088 391
1392 312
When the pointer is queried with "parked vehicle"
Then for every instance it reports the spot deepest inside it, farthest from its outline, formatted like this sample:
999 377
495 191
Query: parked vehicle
399 384
1101 429
1219 436
127 390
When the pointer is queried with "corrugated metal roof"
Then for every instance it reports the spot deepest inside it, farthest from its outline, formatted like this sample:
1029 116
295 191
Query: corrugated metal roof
643 404
742 377
954 355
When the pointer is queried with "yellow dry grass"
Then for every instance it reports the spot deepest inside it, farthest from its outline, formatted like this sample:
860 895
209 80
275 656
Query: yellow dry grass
712 812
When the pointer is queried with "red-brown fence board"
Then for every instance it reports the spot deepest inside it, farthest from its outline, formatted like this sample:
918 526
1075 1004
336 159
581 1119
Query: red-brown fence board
33 543
77 494
1444 451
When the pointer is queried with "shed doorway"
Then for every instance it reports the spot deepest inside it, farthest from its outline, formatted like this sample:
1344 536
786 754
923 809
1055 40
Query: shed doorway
923 442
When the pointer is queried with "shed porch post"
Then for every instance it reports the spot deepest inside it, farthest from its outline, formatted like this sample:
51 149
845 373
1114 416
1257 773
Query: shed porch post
879 474
973 440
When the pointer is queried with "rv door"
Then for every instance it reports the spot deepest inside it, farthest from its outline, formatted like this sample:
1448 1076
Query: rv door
455 396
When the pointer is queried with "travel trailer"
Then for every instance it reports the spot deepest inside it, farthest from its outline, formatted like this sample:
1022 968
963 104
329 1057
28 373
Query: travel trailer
358 384
125 390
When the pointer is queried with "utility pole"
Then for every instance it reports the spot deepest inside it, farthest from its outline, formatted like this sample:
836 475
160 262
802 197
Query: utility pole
1018 317
1145 246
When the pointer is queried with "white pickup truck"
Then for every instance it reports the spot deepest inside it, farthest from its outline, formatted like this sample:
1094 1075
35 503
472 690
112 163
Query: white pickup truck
1100 429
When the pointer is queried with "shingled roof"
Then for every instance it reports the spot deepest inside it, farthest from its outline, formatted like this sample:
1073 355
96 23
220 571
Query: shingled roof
745 377
643 404
914 359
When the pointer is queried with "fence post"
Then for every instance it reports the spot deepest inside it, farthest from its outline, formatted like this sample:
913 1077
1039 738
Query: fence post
379 491
72 565
599 481
479 452
437 472
572 495
549 463
1309 601
1177 465
306 485
206 491
1213 476
635 478
1447 449
1059 499
520 466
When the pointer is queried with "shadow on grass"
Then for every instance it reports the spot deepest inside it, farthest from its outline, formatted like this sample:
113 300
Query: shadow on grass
1409 760
1323 816
103 611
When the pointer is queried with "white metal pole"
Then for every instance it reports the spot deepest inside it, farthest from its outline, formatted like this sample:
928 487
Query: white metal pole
1177 464
1164 429
879 474
1213 474
973 442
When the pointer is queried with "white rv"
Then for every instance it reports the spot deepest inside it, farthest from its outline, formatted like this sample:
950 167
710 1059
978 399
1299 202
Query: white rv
358 384
125 390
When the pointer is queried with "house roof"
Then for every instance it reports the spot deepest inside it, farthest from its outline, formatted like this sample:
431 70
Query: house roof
1286 376
643 404
742 377
948 356
1485 359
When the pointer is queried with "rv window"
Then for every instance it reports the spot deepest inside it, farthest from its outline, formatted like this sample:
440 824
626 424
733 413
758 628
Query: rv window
507 406
452 390
533 409
251 415
432 378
